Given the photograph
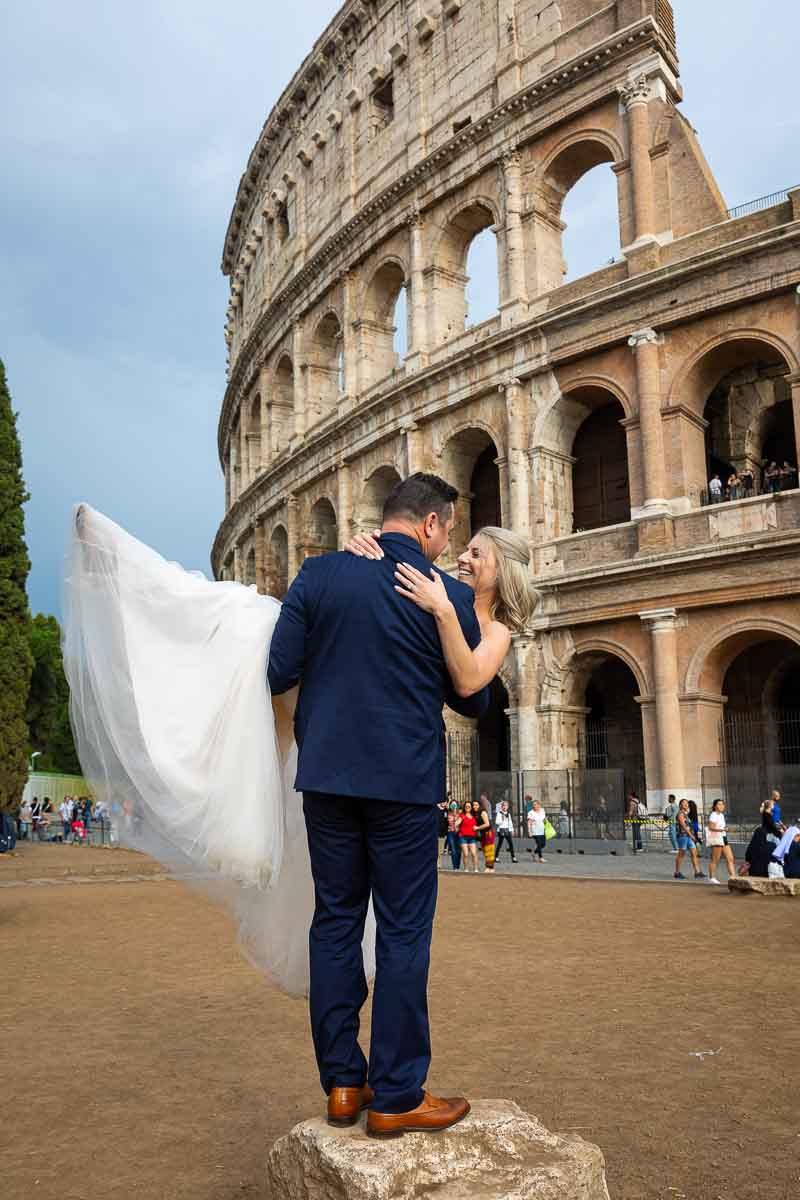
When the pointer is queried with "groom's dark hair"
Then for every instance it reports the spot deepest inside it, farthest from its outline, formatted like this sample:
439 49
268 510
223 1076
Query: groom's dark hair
419 495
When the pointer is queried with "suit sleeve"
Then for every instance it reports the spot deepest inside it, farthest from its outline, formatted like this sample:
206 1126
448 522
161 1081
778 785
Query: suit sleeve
288 647
469 706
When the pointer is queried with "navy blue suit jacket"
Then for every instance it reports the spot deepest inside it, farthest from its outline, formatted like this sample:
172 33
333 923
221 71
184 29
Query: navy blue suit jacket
372 674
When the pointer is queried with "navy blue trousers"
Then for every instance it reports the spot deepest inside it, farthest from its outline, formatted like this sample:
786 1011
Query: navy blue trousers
360 847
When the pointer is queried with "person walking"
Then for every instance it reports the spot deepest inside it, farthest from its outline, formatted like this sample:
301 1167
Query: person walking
718 841
600 816
504 827
671 818
773 806
762 845
468 837
563 820
536 819
25 821
694 821
686 842
86 815
486 834
66 809
633 815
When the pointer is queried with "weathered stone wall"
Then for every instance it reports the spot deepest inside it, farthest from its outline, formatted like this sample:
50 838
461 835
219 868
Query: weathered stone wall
407 132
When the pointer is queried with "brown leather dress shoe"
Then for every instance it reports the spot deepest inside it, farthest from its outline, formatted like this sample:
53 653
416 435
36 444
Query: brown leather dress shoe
345 1104
430 1116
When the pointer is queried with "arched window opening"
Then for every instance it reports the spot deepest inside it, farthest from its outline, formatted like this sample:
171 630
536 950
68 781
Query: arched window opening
323 533
400 320
278 563
548 213
611 747
471 466
750 444
377 325
590 216
760 734
483 287
326 368
600 482
494 734
282 429
449 272
375 494
253 439
485 488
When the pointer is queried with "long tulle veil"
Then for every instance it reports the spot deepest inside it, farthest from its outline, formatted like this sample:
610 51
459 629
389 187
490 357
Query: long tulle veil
175 729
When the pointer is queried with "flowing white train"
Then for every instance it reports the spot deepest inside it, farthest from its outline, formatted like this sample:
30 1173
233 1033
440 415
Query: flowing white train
178 735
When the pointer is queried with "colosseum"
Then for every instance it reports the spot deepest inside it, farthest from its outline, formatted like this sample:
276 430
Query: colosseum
593 415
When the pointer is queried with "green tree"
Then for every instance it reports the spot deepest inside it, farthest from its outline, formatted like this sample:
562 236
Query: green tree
16 660
49 730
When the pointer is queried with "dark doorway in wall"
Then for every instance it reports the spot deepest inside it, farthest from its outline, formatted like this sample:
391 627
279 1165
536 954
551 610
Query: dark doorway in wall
600 488
494 731
485 488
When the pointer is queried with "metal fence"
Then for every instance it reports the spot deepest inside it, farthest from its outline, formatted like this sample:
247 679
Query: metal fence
752 206
744 788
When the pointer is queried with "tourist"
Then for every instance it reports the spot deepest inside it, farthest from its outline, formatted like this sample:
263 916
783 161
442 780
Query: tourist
686 841
468 838
715 489
791 859
536 819
86 814
772 479
66 809
563 820
453 822
694 821
670 817
733 488
485 832
785 855
635 813
762 845
442 829
748 485
77 828
787 477
773 805
718 841
25 821
600 816
504 826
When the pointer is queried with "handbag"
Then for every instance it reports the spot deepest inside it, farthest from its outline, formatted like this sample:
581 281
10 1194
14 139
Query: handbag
549 831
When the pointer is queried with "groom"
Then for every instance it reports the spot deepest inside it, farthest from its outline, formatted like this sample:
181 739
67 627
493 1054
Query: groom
371 769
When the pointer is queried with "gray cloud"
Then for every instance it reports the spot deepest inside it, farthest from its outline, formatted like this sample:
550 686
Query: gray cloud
125 131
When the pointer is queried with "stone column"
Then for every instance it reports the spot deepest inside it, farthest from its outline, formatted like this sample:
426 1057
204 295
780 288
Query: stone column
349 343
418 307
266 418
635 97
517 437
235 478
513 305
344 488
662 623
293 537
300 375
644 344
413 447
237 563
261 557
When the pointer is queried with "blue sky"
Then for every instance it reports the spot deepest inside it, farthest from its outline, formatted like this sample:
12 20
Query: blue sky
125 131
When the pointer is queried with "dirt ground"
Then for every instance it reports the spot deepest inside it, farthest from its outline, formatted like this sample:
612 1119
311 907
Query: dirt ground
143 1058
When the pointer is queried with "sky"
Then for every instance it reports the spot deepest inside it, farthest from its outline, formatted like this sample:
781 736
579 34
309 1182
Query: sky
125 131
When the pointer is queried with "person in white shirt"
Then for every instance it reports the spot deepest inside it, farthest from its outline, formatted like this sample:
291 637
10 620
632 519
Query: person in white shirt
25 818
715 489
66 809
718 842
504 827
536 819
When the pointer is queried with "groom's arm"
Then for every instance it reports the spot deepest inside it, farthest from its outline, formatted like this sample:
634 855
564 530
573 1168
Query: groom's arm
288 647
468 706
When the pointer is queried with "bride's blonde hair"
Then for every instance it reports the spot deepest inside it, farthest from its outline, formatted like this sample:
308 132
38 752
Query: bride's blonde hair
516 600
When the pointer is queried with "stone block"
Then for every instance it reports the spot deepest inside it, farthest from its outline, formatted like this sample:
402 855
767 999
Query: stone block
750 885
498 1152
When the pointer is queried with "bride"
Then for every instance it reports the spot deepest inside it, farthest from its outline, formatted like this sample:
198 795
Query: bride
177 732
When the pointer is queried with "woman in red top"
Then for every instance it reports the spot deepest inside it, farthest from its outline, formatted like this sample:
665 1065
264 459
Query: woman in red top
468 838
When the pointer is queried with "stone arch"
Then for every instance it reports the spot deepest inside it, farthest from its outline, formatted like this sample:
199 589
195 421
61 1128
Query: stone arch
325 368
374 495
251 451
376 324
282 423
277 564
594 651
323 531
581 471
470 463
729 384
250 568
710 661
569 160
449 279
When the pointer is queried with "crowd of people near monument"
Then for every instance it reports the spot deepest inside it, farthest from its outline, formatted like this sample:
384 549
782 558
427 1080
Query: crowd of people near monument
38 820
740 485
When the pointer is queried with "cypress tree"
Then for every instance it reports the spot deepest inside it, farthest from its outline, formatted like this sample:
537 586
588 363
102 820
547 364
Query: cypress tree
16 660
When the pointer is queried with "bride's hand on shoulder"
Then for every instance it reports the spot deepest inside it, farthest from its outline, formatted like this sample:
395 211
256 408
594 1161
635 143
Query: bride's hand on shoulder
365 545
429 594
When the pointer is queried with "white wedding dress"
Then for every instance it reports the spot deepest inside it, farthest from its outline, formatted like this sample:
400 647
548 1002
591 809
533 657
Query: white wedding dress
177 733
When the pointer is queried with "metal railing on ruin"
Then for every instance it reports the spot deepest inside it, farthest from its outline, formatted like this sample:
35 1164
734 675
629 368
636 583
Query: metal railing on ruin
753 206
